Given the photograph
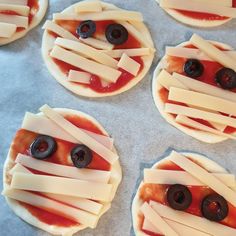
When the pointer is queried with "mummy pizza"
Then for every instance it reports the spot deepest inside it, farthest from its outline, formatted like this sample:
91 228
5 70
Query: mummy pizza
95 49
200 13
18 17
194 89
185 194
62 171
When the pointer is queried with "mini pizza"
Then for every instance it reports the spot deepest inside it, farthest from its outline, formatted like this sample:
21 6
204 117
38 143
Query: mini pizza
62 171
18 17
200 13
194 89
185 194
95 49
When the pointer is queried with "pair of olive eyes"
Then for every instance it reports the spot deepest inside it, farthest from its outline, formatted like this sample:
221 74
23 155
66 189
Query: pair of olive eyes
213 207
45 146
115 33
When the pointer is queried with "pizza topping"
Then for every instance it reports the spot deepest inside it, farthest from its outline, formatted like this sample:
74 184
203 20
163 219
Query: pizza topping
214 207
81 156
193 68
116 34
43 147
86 29
179 197
7 30
226 78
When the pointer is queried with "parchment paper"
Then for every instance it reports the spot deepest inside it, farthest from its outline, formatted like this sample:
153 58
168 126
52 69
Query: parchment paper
141 135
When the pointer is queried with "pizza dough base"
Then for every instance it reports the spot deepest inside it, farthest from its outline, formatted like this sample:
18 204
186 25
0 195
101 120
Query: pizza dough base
200 135
48 43
19 210
43 5
208 164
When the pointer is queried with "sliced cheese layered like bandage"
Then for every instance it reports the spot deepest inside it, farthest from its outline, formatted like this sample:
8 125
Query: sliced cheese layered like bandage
19 21
65 186
196 6
117 53
43 125
108 73
204 176
62 170
55 207
89 6
155 176
17 2
81 136
21 10
7 30
53 27
79 77
97 43
18 168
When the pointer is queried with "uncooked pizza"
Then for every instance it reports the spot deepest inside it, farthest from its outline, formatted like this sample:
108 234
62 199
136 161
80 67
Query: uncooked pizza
96 49
194 89
185 194
62 171
17 17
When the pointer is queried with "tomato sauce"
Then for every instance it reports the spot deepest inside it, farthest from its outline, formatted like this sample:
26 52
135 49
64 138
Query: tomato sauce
21 144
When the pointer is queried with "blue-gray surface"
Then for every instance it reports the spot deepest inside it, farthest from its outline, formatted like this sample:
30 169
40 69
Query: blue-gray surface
141 135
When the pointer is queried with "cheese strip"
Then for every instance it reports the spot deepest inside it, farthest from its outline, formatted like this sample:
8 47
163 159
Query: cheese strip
99 16
51 26
108 73
43 125
96 43
129 65
117 53
18 168
7 30
89 6
202 100
21 10
17 2
81 136
196 222
63 170
88 51
204 176
213 52
64 186
155 176
79 77
55 207
195 6
19 21
157 221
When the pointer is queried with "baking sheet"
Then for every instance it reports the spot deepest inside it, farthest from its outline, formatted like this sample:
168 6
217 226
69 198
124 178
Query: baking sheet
141 135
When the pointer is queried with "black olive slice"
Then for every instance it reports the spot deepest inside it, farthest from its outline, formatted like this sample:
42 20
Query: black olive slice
179 197
116 34
226 78
43 147
86 29
193 68
214 207
81 156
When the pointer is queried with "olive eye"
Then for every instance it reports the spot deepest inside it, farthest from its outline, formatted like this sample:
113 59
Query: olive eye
226 78
193 68
86 29
116 34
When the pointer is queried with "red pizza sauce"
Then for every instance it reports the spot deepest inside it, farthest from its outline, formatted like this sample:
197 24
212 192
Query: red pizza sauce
157 192
21 144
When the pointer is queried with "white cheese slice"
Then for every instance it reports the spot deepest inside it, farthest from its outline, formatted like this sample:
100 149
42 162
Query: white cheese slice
55 207
63 170
157 221
196 222
81 136
108 73
213 52
155 176
204 176
87 51
89 6
18 168
104 15
17 2
79 77
7 30
97 43
21 10
52 26
19 21
196 6
117 53
43 125
129 64
64 186
202 100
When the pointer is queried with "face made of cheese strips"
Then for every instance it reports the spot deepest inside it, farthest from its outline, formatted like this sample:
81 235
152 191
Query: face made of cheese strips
93 67
151 212
206 123
18 17
53 194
